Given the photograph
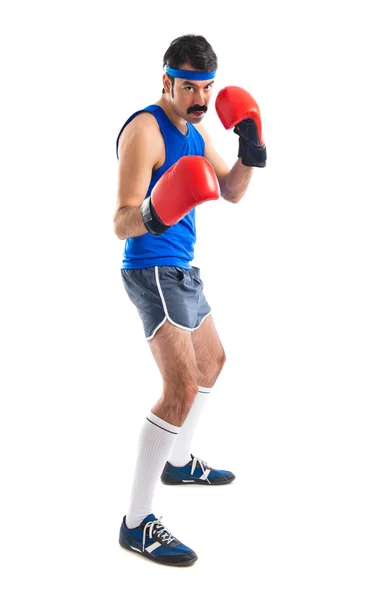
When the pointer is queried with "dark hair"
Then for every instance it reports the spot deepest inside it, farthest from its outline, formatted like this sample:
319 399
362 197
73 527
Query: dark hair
193 49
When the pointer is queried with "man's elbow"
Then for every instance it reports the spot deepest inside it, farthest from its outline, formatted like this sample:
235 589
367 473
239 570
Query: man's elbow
118 230
120 235
234 199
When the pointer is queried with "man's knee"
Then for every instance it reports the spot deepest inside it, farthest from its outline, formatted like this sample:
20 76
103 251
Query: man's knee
219 364
210 374
221 360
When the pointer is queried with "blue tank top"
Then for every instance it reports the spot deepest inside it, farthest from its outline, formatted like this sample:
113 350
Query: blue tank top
175 247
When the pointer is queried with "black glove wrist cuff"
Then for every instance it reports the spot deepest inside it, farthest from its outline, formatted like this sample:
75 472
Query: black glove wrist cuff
251 155
151 219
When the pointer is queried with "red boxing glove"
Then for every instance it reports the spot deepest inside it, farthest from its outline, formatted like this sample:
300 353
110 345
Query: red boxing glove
189 182
236 107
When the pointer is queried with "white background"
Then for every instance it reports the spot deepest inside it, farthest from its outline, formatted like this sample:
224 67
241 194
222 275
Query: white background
288 273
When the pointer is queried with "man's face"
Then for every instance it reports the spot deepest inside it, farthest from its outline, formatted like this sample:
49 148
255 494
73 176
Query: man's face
190 98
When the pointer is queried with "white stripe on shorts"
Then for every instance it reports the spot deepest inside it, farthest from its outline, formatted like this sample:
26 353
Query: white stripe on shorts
167 316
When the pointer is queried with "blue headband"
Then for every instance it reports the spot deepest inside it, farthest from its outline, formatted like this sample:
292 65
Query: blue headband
190 75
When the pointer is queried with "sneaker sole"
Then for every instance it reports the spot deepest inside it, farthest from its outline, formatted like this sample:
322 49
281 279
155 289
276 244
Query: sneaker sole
157 559
169 480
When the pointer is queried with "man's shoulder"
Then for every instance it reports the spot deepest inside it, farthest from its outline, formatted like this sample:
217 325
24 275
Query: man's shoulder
143 126
142 119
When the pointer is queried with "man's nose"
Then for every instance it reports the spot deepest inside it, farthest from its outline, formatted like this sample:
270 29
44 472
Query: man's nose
200 97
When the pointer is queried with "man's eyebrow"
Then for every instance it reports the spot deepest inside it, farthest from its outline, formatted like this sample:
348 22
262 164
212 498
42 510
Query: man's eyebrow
194 84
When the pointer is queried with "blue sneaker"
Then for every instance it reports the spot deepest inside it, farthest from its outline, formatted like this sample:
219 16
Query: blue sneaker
154 541
196 471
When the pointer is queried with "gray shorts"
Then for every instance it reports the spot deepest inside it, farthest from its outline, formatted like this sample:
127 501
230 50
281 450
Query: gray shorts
167 294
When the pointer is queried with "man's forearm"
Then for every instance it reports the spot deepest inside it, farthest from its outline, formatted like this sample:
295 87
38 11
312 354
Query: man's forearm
128 222
236 182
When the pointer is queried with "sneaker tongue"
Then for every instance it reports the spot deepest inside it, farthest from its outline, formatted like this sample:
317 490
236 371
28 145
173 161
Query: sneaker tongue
150 517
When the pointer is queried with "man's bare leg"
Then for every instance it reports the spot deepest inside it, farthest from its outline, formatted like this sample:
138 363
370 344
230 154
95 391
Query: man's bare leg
173 351
209 353
174 354
175 358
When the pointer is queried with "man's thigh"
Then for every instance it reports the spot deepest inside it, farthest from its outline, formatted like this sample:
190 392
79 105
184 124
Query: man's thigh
174 354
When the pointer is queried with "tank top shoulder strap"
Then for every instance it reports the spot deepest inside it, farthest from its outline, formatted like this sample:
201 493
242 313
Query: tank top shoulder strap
158 113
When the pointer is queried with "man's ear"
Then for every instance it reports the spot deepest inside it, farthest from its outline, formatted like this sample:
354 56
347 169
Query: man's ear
166 83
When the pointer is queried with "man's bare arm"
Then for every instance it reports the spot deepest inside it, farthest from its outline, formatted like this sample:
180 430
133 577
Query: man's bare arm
234 182
128 222
140 147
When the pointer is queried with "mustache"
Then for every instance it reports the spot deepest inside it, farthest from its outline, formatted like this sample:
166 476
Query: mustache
197 108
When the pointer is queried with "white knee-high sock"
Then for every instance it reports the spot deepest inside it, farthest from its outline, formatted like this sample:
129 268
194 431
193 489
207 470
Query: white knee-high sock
155 442
181 451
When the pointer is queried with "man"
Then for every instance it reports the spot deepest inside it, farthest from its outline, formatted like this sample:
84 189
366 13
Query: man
167 166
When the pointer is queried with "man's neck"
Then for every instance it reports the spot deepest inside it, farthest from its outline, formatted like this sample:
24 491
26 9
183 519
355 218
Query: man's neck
178 121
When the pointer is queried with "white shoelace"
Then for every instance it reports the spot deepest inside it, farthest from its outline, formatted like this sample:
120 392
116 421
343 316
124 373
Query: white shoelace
160 530
203 466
